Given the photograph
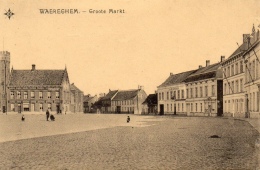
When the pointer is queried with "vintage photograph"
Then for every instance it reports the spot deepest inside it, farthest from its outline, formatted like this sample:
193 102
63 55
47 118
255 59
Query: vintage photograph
130 84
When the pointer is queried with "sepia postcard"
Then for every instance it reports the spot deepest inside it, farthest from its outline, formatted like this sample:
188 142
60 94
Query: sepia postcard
130 84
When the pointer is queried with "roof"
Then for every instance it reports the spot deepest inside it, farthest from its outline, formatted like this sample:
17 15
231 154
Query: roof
151 99
36 77
110 94
87 98
73 87
126 94
211 71
176 78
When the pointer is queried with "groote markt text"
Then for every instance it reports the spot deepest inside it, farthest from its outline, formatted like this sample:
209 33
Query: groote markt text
77 11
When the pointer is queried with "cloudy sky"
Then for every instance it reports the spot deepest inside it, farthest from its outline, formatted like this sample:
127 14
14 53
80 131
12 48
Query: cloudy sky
121 51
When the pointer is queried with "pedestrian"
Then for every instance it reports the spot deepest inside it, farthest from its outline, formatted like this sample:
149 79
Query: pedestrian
47 114
23 118
128 119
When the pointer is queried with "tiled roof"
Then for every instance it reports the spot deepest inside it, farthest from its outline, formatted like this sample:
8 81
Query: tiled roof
36 77
73 87
151 99
176 78
126 94
211 71
87 98
109 95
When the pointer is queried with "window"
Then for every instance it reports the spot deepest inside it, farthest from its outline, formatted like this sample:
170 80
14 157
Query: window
25 95
241 67
167 95
49 106
49 94
225 88
57 94
174 94
232 70
32 95
196 92
206 91
41 107
159 96
162 95
182 94
171 107
178 94
228 71
201 92
196 107
237 86
213 90
171 94
191 93
182 107
26 107
40 95
232 86
241 85
236 68
201 107
12 95
18 95
191 107
187 93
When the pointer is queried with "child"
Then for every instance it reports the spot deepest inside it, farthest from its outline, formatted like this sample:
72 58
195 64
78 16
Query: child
23 118
52 118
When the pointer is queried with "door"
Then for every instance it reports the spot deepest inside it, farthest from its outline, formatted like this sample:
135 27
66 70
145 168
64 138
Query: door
19 108
118 109
58 108
161 109
32 107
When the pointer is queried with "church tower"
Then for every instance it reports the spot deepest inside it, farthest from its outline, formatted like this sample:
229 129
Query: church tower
4 79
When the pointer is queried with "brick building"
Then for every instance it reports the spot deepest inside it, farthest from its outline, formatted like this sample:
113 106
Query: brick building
38 90
76 103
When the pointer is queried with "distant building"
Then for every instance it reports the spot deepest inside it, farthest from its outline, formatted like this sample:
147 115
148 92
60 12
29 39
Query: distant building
205 91
149 106
38 90
104 103
89 102
172 94
4 79
128 101
252 76
76 103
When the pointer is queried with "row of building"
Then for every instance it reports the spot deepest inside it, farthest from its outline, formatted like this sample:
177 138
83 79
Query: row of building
230 87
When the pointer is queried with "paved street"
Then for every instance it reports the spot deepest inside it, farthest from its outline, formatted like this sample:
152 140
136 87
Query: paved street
107 142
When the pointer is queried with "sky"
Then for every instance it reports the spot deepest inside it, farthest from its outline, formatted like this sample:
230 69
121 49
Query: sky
121 51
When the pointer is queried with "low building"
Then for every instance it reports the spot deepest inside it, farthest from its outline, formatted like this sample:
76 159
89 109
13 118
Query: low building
150 104
104 103
205 91
38 90
89 102
128 101
76 103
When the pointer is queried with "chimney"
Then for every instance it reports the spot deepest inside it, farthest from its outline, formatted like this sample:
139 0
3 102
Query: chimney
171 74
33 67
245 38
200 66
222 58
207 63
140 87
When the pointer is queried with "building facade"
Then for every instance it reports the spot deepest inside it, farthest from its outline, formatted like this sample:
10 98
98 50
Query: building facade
252 76
128 101
76 103
149 106
204 91
38 90
89 102
172 94
4 79
233 82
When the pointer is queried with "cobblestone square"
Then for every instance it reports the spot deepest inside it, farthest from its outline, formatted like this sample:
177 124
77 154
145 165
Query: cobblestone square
107 142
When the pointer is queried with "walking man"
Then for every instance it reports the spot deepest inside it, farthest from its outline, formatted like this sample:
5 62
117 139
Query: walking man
47 114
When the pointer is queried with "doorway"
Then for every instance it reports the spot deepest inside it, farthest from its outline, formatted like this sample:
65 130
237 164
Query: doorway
161 109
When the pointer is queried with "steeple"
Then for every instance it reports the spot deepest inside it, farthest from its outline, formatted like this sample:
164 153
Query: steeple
253 29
